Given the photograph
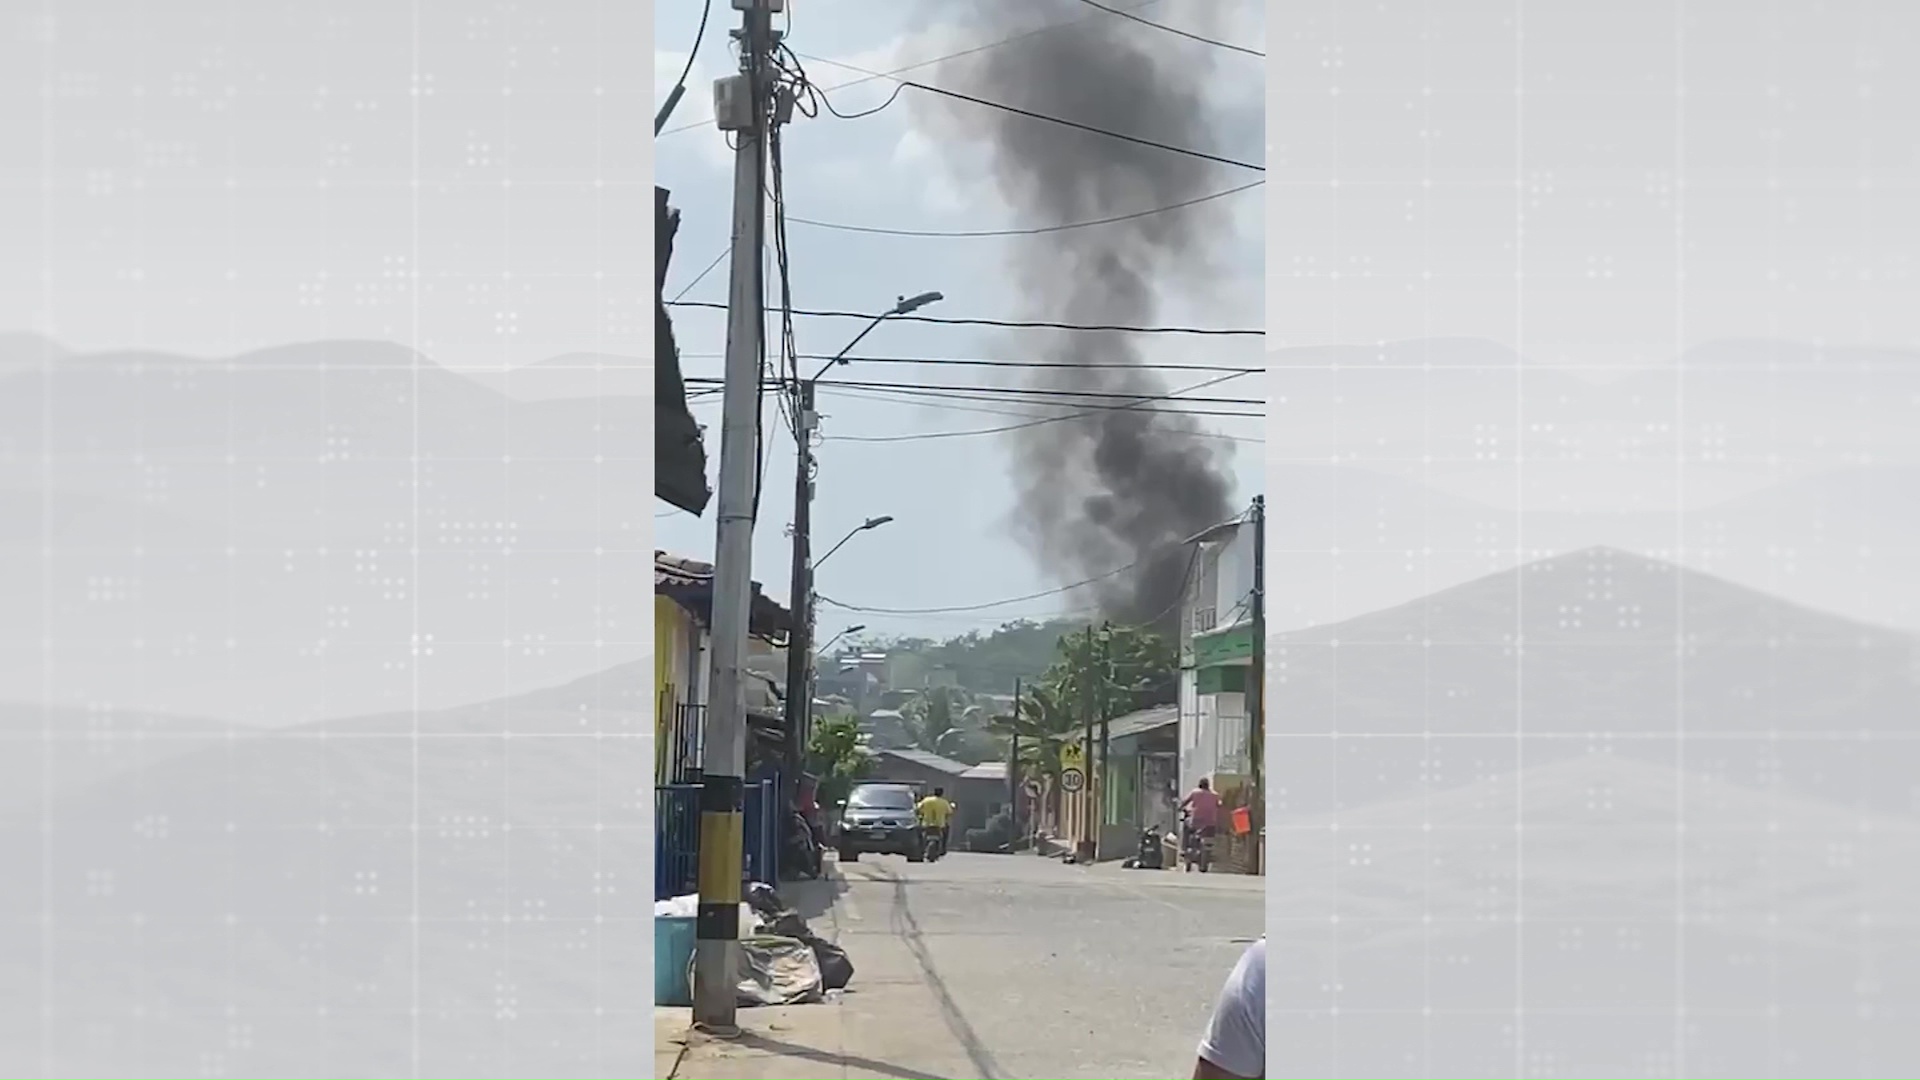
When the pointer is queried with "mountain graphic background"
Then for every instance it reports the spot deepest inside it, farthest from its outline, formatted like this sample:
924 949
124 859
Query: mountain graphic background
1598 786
314 531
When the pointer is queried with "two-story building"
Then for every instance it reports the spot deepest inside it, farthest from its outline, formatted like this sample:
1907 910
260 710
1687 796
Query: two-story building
1216 662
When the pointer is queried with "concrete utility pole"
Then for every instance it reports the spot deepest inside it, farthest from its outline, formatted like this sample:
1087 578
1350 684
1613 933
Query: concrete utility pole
741 107
1014 787
1257 686
1106 721
1088 705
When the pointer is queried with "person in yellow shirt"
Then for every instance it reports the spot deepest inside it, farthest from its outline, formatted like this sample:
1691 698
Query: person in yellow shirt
935 814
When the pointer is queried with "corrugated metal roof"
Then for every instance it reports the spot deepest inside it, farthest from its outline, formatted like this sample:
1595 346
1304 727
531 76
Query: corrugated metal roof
986 770
928 759
1138 723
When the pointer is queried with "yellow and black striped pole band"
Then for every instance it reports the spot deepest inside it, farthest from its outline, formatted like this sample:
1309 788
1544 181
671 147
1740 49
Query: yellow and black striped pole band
721 835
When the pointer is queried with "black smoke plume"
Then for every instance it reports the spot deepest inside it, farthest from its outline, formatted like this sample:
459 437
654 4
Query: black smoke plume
1114 487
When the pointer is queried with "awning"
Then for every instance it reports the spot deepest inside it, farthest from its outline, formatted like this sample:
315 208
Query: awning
679 454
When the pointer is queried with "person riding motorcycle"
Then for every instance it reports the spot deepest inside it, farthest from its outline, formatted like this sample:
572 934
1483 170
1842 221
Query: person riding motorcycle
935 815
1202 806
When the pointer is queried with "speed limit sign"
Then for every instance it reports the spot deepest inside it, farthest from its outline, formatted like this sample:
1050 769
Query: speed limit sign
1072 780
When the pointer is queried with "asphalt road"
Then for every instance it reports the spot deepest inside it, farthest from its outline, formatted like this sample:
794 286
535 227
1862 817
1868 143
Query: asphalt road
1026 967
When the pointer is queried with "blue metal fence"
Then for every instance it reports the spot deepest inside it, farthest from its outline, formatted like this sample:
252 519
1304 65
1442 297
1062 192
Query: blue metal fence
760 851
676 832
676 855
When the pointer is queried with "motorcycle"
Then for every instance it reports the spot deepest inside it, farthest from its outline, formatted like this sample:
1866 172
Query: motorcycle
1151 854
1196 850
930 846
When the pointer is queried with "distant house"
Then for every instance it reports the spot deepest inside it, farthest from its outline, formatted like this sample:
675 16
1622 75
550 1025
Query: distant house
1216 659
1132 787
886 729
978 792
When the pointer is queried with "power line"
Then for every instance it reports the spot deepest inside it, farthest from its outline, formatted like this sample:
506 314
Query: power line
1004 323
1096 579
935 401
680 84
992 393
805 90
869 76
1173 29
996 393
1082 409
1169 147
877 231
702 275
981 607
1076 415
1070 365
939 399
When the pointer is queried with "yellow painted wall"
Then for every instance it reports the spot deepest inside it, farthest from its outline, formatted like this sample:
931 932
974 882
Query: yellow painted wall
672 629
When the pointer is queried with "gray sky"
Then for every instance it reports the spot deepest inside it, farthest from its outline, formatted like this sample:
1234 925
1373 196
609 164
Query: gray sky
950 496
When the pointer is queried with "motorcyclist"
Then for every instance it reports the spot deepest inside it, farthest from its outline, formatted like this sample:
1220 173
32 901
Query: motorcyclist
935 815
1202 806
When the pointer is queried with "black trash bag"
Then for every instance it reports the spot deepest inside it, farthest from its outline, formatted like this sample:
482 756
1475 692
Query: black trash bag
762 898
836 969
788 924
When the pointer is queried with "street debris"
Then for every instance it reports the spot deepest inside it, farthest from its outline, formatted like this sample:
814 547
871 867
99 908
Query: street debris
782 961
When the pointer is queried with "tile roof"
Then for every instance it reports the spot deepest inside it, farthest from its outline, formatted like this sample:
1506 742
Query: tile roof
689 582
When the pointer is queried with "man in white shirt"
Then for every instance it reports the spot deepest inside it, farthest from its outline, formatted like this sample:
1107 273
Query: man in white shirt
1235 1045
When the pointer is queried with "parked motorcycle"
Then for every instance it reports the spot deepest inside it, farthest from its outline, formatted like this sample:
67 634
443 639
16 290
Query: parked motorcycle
1152 853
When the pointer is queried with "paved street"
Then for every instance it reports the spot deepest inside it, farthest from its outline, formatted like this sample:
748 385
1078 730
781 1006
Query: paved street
1008 966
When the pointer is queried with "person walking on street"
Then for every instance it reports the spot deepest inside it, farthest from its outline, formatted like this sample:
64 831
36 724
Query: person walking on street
1235 1044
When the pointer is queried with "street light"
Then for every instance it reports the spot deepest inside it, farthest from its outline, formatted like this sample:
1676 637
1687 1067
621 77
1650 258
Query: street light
870 523
854 629
906 305
799 699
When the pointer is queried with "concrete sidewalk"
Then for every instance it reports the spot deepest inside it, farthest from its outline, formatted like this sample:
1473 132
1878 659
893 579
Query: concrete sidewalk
798 1042
889 1017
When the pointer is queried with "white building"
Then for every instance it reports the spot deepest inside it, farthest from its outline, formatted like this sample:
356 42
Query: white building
1216 660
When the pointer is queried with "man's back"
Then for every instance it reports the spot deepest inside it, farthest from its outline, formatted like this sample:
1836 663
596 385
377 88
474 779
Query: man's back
1205 807
933 810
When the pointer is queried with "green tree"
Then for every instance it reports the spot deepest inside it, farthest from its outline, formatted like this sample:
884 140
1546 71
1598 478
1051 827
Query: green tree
836 754
937 719
1106 670
1115 670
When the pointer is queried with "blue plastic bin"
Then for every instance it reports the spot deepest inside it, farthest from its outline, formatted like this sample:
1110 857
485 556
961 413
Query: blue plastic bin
673 937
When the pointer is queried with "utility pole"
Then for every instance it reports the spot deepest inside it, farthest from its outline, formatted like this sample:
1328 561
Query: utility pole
1106 721
800 642
741 106
1088 705
1257 687
1013 765
799 712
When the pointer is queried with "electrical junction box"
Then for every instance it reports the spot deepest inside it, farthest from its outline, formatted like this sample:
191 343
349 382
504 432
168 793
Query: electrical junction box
775 6
733 103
